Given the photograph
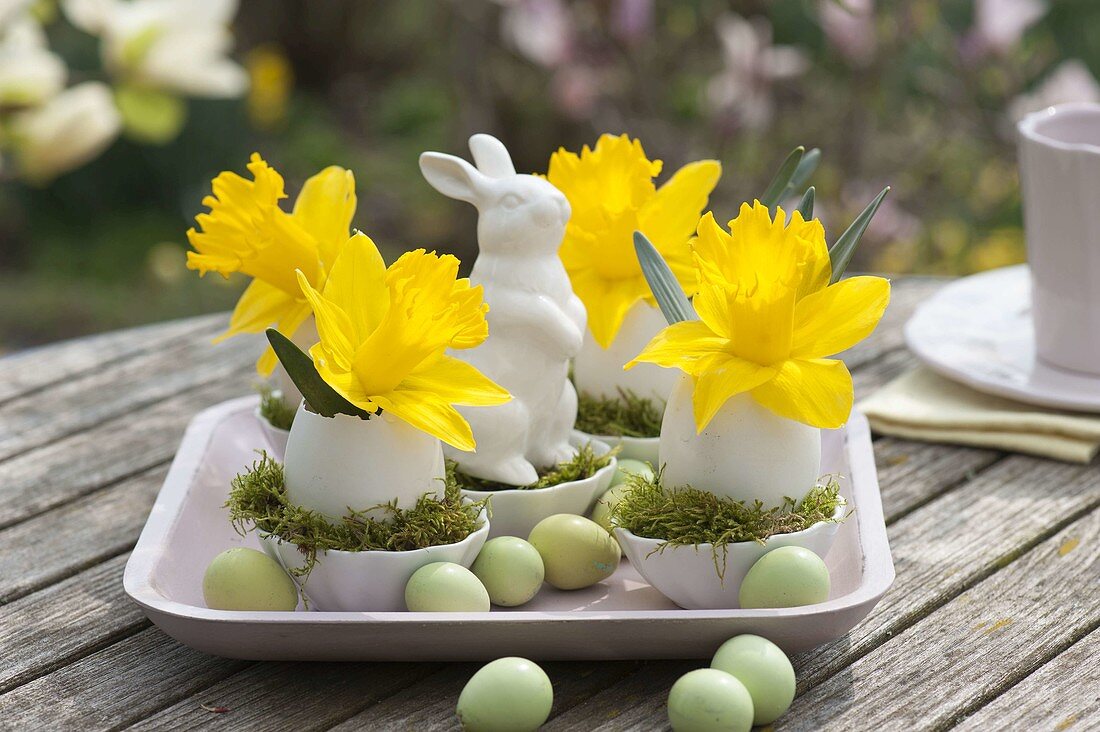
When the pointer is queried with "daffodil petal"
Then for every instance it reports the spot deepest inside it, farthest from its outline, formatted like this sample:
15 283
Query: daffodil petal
681 345
358 282
817 392
607 303
712 304
343 383
432 414
671 216
288 325
831 320
325 208
457 382
724 378
333 325
261 306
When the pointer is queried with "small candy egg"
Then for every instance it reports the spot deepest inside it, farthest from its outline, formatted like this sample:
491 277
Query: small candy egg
511 570
765 671
246 579
601 514
507 695
626 466
709 700
445 587
789 576
576 552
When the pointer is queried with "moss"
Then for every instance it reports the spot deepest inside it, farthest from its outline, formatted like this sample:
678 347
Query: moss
627 415
275 409
686 516
584 464
258 500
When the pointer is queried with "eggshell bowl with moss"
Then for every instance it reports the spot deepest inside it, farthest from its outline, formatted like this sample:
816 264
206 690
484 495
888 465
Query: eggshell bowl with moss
515 511
687 574
276 437
632 448
372 580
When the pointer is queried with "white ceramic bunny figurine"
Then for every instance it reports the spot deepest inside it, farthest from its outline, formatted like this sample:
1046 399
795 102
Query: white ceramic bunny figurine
536 323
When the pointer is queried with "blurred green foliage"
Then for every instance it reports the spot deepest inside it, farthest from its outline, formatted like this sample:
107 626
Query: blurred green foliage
926 111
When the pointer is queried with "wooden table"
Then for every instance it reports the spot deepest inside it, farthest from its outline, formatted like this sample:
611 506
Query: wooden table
991 624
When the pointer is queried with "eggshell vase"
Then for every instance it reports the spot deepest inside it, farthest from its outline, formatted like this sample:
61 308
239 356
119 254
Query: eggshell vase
334 464
516 511
687 574
276 437
369 581
746 452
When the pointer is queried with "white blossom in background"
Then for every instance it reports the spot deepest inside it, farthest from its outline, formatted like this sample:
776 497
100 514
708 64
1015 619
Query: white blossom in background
29 72
849 26
743 88
541 30
1000 24
172 45
1071 81
11 9
64 133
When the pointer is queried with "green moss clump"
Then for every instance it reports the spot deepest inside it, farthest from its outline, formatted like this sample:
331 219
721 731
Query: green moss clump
627 415
584 464
686 516
258 500
275 409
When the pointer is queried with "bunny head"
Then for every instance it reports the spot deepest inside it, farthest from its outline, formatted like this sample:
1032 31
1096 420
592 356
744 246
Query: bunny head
516 213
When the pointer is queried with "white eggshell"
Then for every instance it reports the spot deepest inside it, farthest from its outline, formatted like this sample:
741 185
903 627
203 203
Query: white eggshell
599 372
747 452
333 463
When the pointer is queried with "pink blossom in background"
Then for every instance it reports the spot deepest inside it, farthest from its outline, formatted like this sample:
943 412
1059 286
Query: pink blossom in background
849 26
1071 81
632 20
1000 24
541 30
743 89
576 89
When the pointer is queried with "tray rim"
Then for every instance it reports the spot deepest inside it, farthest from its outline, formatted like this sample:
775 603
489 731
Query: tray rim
878 565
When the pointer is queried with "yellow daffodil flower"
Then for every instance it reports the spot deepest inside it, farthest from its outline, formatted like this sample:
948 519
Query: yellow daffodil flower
246 231
384 332
769 319
612 195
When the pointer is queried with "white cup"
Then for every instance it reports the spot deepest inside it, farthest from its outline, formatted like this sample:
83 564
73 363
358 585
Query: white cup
1060 185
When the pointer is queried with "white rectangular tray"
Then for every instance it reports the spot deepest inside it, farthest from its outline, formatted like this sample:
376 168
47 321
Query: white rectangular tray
621 618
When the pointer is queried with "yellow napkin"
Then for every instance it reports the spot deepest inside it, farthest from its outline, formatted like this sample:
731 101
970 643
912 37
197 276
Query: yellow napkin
921 405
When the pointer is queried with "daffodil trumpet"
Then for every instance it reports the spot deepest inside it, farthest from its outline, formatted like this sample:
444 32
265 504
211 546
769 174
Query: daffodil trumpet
379 389
758 385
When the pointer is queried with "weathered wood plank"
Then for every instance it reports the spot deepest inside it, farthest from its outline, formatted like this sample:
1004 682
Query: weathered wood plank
912 473
430 705
42 367
1063 694
131 386
51 628
61 471
118 685
75 536
298 696
972 648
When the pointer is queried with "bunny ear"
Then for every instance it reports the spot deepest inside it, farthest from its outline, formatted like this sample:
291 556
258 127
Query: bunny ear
491 156
451 176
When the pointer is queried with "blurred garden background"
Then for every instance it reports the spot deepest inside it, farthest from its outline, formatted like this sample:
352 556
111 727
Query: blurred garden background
116 114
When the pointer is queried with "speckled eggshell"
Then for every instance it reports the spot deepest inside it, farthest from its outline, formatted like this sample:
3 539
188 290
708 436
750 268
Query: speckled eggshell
445 587
246 579
576 551
507 695
709 700
765 671
511 570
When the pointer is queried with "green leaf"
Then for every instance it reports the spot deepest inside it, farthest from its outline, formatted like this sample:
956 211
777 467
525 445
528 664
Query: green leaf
841 252
782 178
666 289
806 205
802 173
320 397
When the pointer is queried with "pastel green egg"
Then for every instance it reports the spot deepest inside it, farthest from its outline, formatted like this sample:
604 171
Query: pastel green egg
507 695
445 587
626 466
709 700
765 671
511 570
576 552
246 579
789 576
601 514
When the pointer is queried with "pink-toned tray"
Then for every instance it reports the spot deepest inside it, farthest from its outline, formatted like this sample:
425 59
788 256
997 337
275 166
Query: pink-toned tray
621 618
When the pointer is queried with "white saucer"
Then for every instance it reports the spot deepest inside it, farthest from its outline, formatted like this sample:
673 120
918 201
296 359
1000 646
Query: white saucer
977 331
